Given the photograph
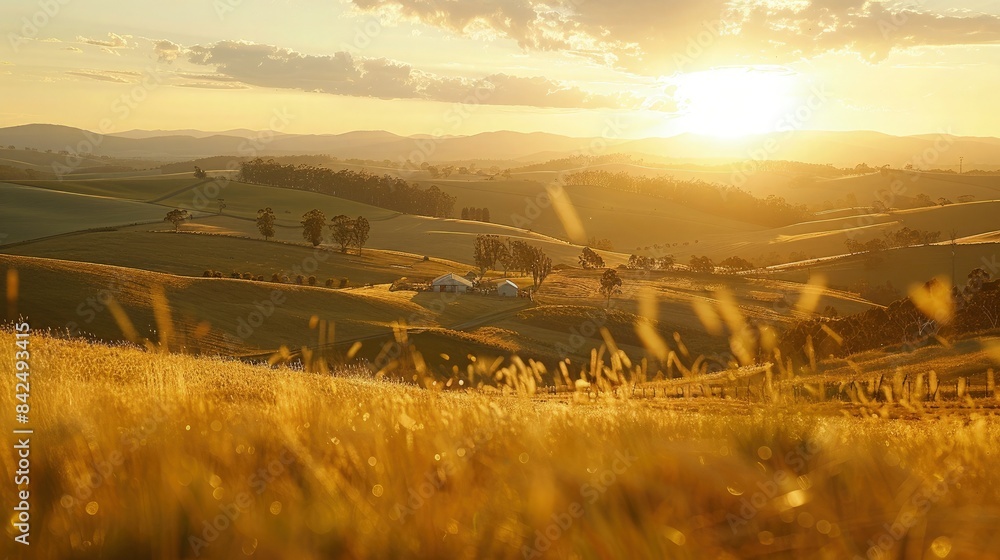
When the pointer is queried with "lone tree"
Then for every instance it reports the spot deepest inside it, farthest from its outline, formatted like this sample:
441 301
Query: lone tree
176 217
342 228
589 259
611 284
313 223
265 222
361 229
200 173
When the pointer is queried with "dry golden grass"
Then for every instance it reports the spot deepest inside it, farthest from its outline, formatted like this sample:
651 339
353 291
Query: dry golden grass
136 453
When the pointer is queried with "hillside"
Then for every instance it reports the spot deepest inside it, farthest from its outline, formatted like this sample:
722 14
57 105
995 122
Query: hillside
210 315
173 442
844 149
29 213
417 235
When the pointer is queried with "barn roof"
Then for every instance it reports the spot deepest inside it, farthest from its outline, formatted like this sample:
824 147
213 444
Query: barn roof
451 279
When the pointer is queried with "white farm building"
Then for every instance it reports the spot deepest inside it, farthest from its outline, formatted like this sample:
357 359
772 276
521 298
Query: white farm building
507 289
451 283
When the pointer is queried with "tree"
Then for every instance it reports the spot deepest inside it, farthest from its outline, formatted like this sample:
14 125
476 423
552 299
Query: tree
541 266
977 278
361 229
313 223
486 215
265 222
176 217
702 264
342 228
611 284
504 258
736 264
486 252
589 259
465 213
602 244
200 173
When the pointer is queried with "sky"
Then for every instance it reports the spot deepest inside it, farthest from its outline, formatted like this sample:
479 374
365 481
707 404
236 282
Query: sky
630 68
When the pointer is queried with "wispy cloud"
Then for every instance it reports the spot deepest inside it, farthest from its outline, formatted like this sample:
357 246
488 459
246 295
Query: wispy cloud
100 76
342 73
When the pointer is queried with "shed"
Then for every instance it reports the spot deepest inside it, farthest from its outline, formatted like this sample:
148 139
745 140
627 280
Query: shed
507 289
451 283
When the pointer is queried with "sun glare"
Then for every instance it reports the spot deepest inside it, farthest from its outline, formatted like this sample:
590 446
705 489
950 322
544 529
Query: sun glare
732 102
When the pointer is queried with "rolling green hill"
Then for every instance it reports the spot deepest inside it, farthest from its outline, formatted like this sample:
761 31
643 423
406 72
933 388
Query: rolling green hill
30 213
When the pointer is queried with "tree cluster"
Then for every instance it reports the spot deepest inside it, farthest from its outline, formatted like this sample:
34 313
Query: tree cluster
702 264
638 262
344 230
736 264
589 259
904 237
490 252
384 191
720 200
476 214
602 243
974 308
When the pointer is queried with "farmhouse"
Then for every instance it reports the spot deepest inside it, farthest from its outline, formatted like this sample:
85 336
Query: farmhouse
452 283
507 289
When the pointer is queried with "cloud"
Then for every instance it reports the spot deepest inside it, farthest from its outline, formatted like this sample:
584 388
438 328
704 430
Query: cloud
167 51
73 49
343 74
100 76
209 77
213 85
658 37
112 42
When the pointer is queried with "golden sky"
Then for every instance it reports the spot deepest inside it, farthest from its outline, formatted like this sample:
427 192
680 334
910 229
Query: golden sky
652 67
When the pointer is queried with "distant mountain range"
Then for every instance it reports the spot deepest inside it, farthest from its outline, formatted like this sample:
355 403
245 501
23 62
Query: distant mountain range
843 149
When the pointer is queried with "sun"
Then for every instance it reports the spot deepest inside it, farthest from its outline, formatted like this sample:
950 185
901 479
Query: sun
732 102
